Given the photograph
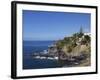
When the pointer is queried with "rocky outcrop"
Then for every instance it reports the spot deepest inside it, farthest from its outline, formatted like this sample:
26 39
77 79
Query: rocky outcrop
76 45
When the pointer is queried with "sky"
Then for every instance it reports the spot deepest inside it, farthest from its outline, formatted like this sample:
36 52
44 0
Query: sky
44 25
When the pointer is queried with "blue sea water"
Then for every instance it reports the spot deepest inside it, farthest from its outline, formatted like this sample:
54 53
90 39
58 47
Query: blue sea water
31 47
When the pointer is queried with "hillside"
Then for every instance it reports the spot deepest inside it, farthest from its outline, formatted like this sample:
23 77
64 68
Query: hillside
74 48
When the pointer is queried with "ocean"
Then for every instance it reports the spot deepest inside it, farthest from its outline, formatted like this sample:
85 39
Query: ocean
31 47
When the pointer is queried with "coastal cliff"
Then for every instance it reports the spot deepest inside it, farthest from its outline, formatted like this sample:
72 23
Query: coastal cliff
76 47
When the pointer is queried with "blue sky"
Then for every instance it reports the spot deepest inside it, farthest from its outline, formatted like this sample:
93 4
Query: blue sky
43 25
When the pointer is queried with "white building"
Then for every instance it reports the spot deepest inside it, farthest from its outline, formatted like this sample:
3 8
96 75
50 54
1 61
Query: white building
89 34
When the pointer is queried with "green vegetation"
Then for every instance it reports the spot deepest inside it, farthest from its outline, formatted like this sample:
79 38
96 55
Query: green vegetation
75 49
77 43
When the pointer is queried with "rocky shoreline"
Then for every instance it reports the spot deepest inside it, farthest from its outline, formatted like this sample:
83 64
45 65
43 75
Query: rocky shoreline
74 49
70 51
